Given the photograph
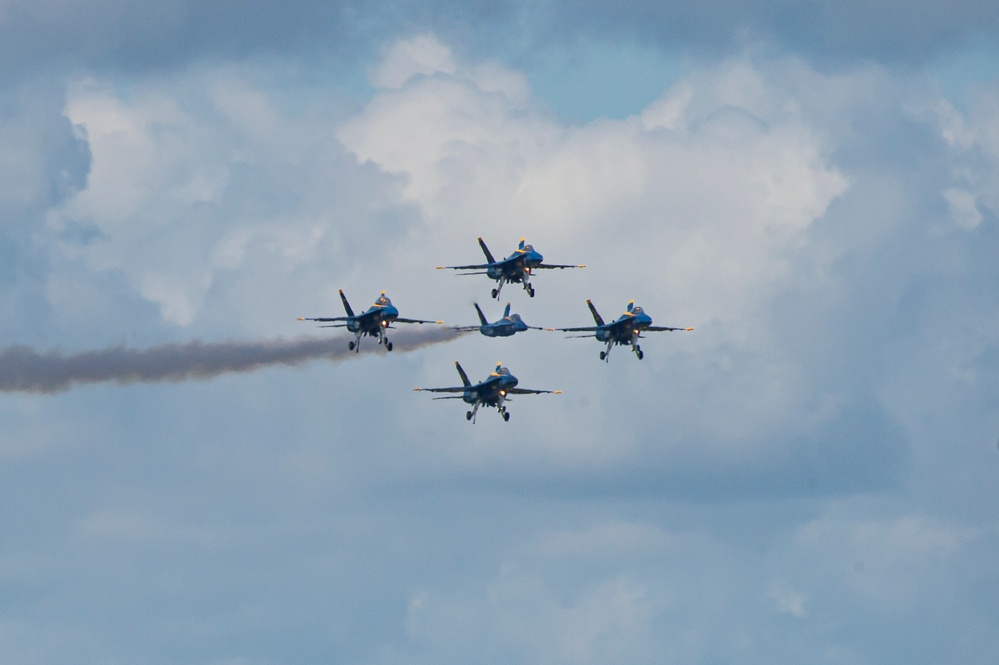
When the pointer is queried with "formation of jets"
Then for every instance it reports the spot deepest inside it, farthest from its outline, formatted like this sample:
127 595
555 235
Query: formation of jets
496 389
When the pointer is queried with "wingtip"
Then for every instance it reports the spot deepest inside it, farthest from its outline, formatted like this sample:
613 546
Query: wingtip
416 390
440 323
301 318
581 265
689 328
439 268
557 392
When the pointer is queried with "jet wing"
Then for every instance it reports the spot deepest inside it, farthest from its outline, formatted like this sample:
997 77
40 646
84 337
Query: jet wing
583 329
401 320
560 266
464 328
502 264
480 266
325 319
662 329
528 391
453 389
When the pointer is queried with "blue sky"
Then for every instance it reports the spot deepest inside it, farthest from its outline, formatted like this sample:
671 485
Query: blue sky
808 477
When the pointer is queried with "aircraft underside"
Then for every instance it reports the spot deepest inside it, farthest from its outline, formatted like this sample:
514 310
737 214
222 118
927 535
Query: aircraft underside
631 341
493 402
516 278
379 332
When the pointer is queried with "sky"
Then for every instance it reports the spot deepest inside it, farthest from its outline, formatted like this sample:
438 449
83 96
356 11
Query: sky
808 476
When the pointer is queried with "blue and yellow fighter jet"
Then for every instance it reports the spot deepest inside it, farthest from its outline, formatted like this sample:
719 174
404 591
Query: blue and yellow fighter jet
380 316
494 391
510 324
627 329
515 268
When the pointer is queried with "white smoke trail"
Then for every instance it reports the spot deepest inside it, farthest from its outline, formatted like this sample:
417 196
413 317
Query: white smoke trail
23 369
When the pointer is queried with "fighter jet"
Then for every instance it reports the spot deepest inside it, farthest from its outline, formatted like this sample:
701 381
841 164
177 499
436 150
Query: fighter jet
373 322
510 324
518 267
493 391
627 329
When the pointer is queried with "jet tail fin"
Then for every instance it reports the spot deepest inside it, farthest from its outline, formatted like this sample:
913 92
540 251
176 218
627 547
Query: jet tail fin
482 317
506 312
464 377
485 250
593 310
346 305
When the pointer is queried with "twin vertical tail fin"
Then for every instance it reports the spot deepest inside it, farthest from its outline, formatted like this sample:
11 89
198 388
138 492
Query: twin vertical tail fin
346 305
593 310
482 317
506 312
485 250
464 377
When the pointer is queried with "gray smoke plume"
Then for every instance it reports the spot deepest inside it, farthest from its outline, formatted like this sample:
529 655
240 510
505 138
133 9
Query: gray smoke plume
23 369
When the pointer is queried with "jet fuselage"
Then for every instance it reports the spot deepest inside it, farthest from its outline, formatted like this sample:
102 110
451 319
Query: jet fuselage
492 391
513 267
